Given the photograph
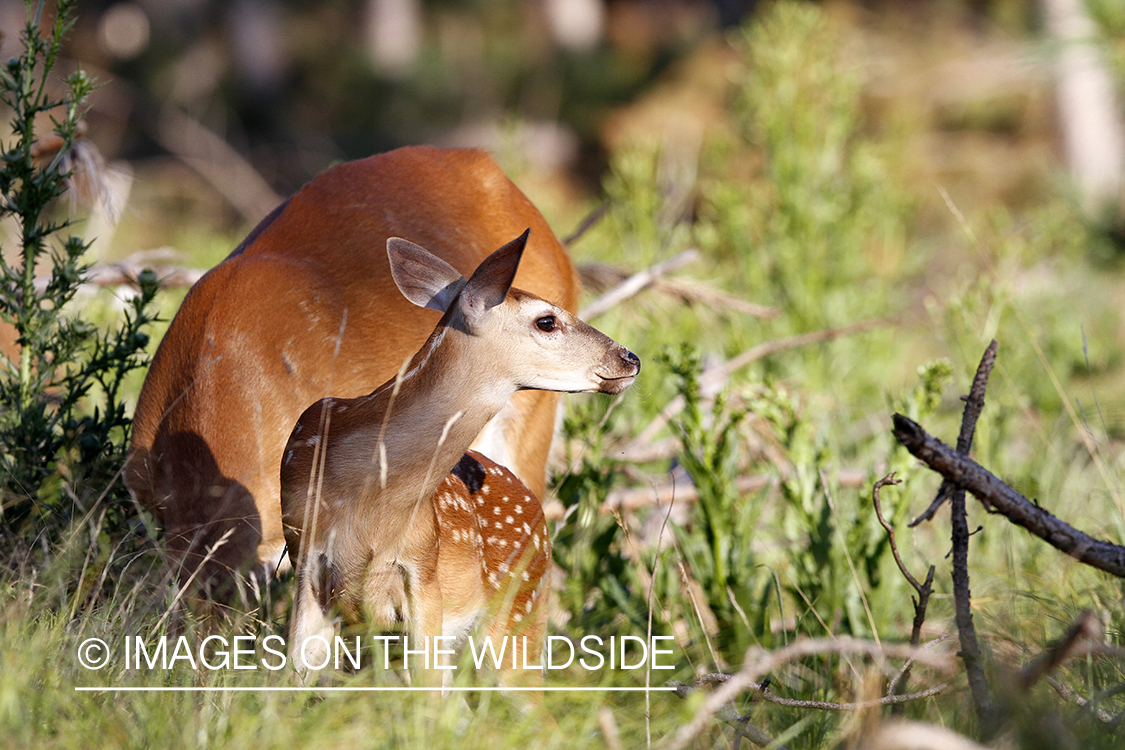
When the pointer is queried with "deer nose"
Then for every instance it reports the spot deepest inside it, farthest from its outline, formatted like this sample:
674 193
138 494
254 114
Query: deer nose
631 359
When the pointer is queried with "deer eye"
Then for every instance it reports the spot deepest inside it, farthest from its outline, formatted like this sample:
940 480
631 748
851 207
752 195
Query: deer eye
546 323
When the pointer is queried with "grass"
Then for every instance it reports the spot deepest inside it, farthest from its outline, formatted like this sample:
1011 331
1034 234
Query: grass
807 211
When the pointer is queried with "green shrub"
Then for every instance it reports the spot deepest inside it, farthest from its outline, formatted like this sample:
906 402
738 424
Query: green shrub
63 424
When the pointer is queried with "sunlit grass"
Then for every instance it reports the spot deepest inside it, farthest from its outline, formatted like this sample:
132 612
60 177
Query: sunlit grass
815 222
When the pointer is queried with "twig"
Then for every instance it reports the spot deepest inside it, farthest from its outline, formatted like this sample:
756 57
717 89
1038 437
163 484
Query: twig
973 407
902 673
759 662
741 724
1086 628
712 378
600 276
924 590
635 284
591 219
962 599
691 290
636 498
126 271
1071 695
222 166
684 691
995 493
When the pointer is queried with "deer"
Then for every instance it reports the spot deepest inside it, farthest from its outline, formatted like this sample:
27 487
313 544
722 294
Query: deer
387 518
303 308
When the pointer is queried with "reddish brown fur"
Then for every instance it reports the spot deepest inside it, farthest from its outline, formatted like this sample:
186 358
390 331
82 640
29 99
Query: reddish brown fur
499 532
264 334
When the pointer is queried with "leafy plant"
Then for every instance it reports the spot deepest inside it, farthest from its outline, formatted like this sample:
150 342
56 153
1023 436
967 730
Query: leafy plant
600 584
63 423
717 544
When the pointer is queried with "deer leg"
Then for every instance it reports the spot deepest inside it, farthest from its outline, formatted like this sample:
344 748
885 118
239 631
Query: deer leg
310 629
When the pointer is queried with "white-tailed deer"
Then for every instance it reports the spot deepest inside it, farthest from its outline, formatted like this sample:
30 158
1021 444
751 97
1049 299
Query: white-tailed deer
377 525
304 308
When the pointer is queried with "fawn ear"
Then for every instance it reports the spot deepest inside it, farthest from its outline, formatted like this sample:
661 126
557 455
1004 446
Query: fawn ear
490 283
422 277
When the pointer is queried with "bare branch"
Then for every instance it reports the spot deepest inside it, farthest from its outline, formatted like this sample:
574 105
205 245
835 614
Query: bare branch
601 276
591 219
635 498
759 662
1086 628
126 271
974 405
222 166
684 691
924 590
962 600
900 676
720 374
996 494
635 284
743 727
1069 694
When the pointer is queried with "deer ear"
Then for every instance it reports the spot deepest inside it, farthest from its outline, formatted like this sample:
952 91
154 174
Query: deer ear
491 281
422 277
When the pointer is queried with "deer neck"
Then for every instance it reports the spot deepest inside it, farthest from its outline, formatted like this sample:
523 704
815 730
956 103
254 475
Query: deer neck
422 421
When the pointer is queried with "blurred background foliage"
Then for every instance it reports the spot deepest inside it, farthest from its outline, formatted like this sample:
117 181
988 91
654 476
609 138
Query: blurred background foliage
906 166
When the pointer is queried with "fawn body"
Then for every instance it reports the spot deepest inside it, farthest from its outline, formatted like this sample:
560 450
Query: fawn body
368 529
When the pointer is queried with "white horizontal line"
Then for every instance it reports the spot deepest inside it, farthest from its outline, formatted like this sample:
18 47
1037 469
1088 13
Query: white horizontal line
493 688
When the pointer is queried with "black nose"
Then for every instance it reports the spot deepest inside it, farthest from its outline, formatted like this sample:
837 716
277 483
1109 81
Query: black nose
632 359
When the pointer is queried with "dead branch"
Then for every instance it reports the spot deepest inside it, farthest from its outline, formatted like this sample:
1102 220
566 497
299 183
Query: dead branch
974 405
1087 628
900 676
962 598
760 662
713 378
586 224
126 271
636 498
924 590
741 724
599 276
1068 693
214 160
763 693
692 291
997 495
636 283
